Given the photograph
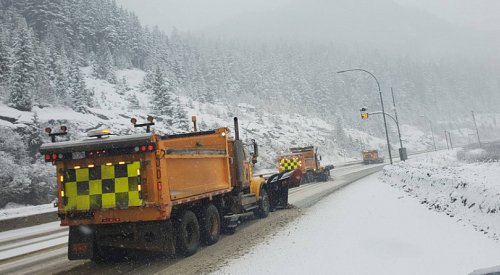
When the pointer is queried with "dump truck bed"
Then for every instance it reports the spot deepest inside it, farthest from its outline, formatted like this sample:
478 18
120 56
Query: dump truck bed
137 177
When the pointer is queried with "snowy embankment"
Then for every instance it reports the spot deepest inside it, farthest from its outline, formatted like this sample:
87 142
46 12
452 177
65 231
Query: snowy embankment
368 227
12 210
468 192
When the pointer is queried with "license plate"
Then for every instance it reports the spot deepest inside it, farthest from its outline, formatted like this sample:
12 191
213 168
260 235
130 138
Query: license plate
78 155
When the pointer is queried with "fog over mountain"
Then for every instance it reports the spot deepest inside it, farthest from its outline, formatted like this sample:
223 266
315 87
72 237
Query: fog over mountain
361 24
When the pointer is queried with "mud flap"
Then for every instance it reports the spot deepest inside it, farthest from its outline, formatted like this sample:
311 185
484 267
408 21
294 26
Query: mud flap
81 244
168 238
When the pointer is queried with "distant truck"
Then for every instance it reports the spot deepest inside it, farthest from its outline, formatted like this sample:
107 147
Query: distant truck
308 161
371 156
164 193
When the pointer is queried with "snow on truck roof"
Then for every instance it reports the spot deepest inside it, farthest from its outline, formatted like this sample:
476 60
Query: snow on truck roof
90 143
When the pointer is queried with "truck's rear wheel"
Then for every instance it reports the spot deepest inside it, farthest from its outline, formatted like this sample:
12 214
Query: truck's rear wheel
210 225
264 205
188 233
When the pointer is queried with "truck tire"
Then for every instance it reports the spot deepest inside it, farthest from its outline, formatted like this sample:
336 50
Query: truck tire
210 224
264 205
188 233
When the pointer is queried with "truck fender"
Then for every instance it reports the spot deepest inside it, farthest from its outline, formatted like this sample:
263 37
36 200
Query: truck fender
256 184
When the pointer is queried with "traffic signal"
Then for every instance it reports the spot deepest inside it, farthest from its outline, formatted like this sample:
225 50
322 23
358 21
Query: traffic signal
364 113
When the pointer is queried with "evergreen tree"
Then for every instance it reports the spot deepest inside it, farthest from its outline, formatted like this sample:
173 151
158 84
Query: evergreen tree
35 137
122 86
162 98
59 70
103 64
79 95
42 13
23 74
180 116
5 59
44 90
133 102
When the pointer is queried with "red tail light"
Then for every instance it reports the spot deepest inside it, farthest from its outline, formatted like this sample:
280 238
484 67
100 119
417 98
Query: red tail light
54 156
47 157
143 148
150 147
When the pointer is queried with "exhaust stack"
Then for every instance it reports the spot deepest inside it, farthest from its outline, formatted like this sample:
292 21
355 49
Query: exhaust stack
236 129
239 155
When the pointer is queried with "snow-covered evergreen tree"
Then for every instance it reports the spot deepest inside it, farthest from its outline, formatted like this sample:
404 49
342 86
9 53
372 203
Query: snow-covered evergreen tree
79 94
133 101
180 120
161 100
122 86
5 58
22 78
35 137
103 64
61 76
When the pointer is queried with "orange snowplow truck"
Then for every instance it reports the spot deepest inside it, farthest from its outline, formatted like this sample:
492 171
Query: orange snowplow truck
307 160
371 156
164 193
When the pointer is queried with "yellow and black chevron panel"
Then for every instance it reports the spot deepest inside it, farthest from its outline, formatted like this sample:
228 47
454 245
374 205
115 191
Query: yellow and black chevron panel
290 164
105 186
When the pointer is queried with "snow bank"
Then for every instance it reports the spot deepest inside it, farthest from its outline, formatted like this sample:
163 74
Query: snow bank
368 227
12 210
467 191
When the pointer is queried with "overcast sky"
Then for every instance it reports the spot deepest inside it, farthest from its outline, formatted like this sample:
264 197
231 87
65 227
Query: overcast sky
198 14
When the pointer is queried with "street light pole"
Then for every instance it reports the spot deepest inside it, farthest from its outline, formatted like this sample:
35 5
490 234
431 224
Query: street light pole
477 131
449 136
446 137
381 103
402 150
432 132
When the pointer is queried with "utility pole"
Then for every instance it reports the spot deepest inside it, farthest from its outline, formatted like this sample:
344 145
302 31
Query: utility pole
477 131
432 131
446 137
402 151
449 136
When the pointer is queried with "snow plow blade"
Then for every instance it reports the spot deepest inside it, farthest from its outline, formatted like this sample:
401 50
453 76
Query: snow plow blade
278 185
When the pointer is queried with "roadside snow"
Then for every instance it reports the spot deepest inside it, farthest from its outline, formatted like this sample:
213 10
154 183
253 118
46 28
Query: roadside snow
370 228
467 191
15 211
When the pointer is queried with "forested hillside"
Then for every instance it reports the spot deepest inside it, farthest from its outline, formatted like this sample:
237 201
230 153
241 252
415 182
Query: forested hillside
57 55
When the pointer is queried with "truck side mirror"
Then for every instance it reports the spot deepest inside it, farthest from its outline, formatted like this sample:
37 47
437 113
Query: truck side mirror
255 151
